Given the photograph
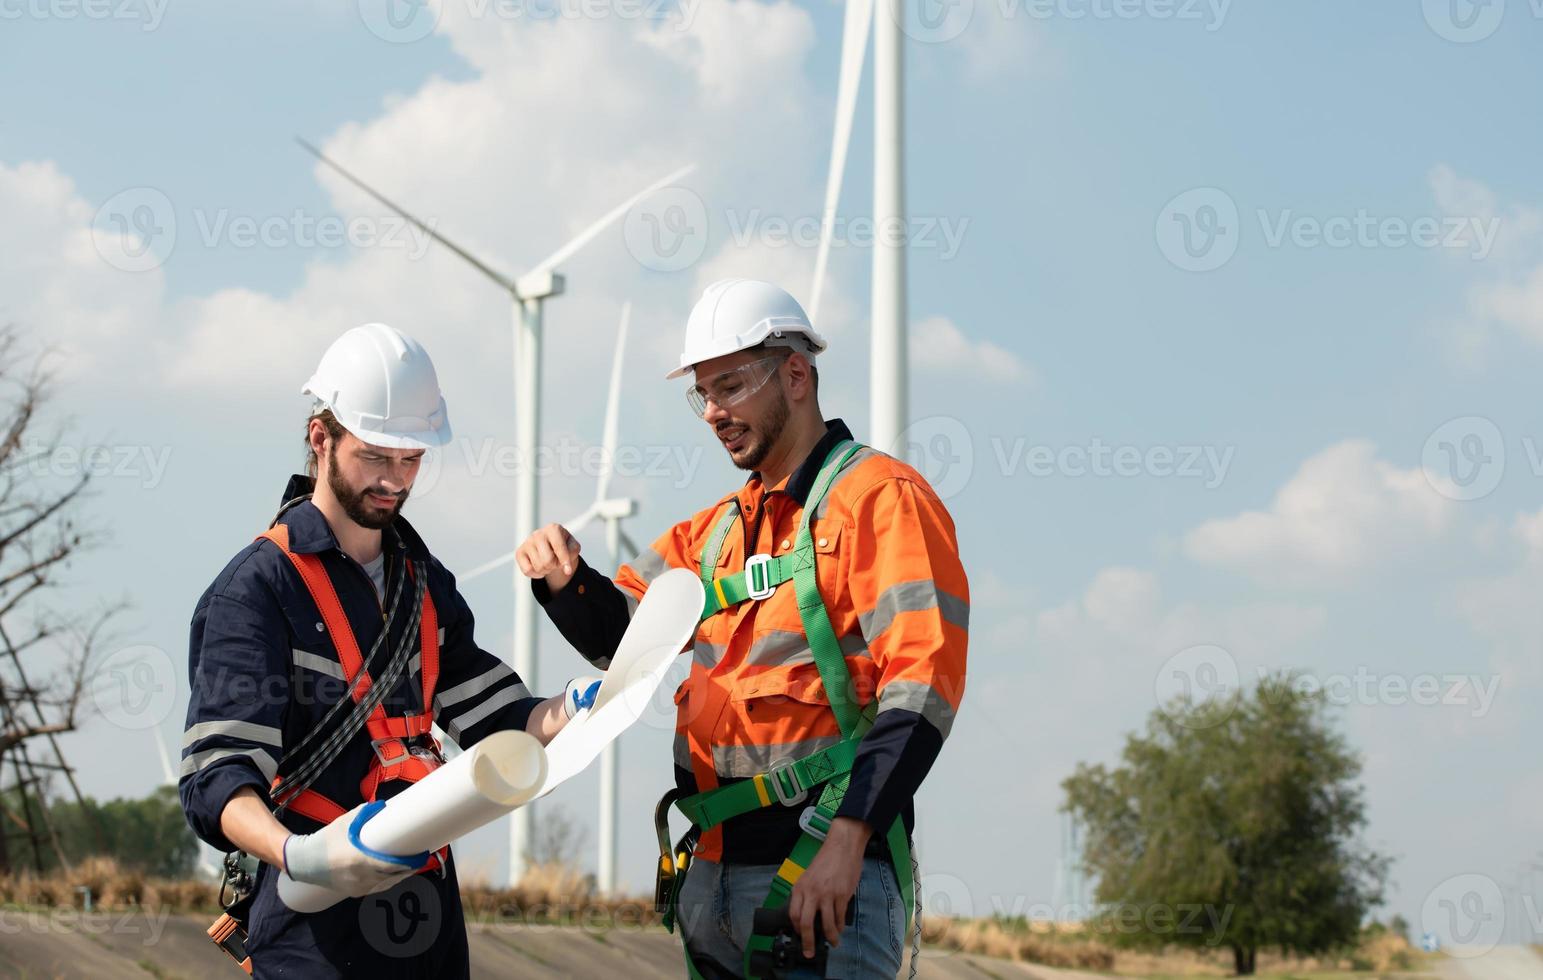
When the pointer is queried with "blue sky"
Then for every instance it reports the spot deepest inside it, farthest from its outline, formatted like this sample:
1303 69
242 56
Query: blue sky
1057 139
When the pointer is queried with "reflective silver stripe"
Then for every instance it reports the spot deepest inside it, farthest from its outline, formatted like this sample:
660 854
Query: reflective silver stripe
923 699
911 597
507 696
648 566
415 664
787 648
682 751
867 452
201 760
746 760
441 636
320 664
631 600
246 730
707 654
473 687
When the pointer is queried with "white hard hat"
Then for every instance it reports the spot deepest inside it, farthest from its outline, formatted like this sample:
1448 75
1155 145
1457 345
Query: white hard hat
737 314
381 385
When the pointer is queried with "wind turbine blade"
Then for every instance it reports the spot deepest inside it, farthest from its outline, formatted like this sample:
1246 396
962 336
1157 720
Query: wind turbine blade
485 567
612 408
629 547
475 262
582 521
854 45
584 237
166 769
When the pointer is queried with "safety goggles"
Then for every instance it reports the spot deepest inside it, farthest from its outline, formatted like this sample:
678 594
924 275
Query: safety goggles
733 386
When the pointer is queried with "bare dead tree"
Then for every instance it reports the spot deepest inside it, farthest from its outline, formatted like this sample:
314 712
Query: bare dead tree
40 531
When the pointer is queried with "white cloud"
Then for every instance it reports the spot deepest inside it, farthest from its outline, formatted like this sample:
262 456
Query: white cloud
1507 291
939 346
1343 511
54 282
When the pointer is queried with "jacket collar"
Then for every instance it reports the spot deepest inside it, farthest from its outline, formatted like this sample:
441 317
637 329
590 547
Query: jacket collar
309 532
802 480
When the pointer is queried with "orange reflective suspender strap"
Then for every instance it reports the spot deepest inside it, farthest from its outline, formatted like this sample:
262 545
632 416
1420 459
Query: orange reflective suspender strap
388 735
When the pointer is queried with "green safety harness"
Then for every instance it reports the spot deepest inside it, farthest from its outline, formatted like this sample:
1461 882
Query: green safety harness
786 783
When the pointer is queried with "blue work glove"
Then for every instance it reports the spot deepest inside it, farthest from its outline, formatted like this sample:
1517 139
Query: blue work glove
579 694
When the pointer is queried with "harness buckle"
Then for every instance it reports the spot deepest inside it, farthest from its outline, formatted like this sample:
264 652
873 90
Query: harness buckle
758 583
400 755
814 823
774 776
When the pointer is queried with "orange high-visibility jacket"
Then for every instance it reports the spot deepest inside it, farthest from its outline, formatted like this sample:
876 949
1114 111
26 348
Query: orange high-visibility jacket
888 566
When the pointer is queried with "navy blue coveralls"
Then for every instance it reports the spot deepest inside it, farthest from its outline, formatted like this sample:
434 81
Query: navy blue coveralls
264 672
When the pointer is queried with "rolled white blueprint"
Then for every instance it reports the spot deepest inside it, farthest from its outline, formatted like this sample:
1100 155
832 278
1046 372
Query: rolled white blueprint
503 771
508 769
664 622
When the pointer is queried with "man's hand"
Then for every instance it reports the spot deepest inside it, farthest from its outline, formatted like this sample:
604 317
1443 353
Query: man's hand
550 553
330 858
830 882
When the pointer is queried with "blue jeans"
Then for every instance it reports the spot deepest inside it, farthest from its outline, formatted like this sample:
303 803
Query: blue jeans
718 903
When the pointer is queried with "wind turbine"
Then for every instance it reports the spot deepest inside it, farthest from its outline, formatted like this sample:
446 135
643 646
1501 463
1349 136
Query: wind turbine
887 393
528 294
611 510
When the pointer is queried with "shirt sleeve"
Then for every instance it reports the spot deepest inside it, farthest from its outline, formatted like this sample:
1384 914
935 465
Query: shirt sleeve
238 669
912 598
476 693
592 611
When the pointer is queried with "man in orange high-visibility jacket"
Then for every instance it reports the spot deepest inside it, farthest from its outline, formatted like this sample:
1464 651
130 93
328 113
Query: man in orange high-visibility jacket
888 571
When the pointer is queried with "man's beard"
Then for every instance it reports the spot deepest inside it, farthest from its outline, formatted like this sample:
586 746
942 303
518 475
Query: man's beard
353 502
760 438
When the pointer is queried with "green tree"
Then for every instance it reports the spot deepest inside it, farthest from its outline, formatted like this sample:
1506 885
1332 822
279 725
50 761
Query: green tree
1232 823
149 834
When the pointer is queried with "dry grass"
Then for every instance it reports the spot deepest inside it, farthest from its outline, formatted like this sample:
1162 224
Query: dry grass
1046 943
1072 946
111 887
